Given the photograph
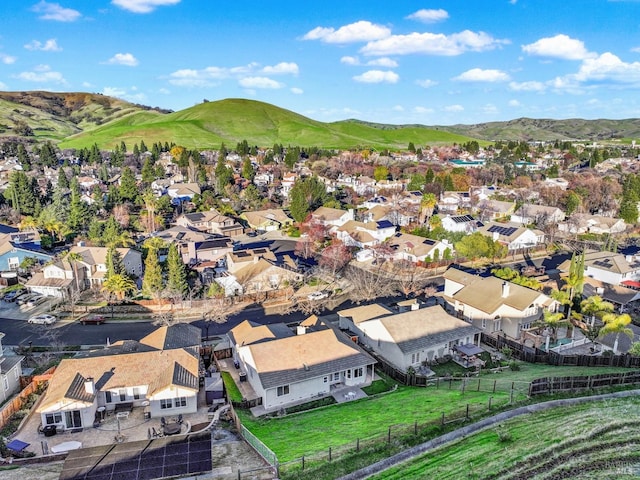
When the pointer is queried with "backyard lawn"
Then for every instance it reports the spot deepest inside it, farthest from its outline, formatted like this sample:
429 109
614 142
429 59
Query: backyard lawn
342 424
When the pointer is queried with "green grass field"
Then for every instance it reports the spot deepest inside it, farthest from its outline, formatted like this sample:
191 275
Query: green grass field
596 440
342 424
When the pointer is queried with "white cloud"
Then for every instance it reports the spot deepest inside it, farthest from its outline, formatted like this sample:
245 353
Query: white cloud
608 67
422 110
143 6
126 59
7 59
297 91
427 83
164 91
50 45
54 11
432 44
377 76
259 82
454 108
429 15
514 103
480 75
490 109
398 108
561 46
281 68
87 85
635 49
113 91
362 31
3 86
531 86
42 74
347 60
383 62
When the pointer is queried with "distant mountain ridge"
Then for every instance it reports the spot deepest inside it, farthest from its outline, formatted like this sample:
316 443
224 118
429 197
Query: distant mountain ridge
81 119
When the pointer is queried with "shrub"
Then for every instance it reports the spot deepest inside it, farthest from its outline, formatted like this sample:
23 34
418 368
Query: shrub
514 366
504 435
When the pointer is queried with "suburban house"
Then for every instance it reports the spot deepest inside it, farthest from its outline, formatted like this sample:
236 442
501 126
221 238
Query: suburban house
451 202
14 249
267 220
10 372
536 214
492 304
460 223
56 280
241 258
210 221
608 267
160 373
494 209
332 217
409 338
286 368
418 249
94 263
196 246
514 236
183 191
361 234
584 223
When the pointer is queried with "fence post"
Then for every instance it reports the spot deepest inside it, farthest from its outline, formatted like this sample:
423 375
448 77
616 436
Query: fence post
302 462
239 478
442 420
466 415
437 383
478 384
490 398
357 445
389 435
464 384
511 395
494 386
329 453
415 427
450 380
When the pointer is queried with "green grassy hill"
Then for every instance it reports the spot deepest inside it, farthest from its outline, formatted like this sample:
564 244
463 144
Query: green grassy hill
209 124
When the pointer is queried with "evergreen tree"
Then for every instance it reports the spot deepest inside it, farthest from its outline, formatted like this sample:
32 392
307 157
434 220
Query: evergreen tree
306 195
247 169
152 282
22 194
143 147
114 263
95 231
128 188
176 273
429 176
224 176
63 181
148 171
77 208
111 231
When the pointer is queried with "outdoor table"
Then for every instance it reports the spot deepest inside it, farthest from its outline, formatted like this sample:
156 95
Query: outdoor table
171 428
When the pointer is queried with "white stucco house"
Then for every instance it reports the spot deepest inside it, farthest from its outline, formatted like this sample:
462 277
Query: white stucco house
332 217
160 373
10 372
608 267
459 223
513 235
286 367
494 305
409 338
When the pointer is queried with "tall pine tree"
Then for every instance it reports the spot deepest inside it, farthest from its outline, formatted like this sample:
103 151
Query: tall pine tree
176 275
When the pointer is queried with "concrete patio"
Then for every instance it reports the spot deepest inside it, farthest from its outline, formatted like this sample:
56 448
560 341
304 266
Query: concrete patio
131 428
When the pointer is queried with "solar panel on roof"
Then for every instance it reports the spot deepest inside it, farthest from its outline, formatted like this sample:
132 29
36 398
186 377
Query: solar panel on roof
506 231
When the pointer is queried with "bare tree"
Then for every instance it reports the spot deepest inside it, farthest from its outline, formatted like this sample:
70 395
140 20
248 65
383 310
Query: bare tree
369 284
409 277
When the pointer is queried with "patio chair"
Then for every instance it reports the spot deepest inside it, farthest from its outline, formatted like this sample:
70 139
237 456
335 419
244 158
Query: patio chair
180 418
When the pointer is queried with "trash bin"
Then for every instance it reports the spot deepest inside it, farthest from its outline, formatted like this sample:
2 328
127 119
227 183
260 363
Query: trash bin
243 376
49 430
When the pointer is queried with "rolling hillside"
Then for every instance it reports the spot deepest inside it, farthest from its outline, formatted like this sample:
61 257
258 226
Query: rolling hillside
81 119
230 121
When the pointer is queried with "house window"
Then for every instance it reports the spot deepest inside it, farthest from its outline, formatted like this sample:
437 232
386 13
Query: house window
166 403
284 390
53 418
123 394
6 383
325 379
484 323
107 396
336 376
180 402
348 372
357 372
136 393
14 263
415 357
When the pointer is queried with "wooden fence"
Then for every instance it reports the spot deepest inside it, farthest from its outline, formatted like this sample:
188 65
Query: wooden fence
549 386
16 403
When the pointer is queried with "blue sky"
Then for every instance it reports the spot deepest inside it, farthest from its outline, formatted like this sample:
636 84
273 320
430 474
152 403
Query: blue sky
431 62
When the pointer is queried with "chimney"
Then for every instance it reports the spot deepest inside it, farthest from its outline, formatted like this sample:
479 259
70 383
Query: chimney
415 305
81 243
505 289
89 386
301 330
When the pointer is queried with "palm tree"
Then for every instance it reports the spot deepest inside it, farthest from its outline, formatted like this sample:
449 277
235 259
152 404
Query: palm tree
123 240
553 321
118 285
617 324
595 307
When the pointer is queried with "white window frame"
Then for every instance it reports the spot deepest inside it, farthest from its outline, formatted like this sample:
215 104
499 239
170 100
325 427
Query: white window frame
282 390
166 403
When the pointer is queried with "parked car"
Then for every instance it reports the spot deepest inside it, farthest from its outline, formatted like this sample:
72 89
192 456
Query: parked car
319 295
13 294
43 319
92 320
35 301
23 299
